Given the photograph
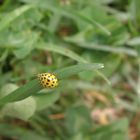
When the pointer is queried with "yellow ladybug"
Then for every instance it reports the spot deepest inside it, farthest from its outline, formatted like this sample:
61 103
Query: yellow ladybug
48 80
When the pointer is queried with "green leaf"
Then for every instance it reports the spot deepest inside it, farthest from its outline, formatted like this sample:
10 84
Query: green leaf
8 18
119 129
3 55
45 100
23 109
30 38
70 13
78 119
11 131
7 88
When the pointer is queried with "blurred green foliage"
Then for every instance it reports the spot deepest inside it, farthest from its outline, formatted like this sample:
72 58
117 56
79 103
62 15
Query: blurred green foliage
67 37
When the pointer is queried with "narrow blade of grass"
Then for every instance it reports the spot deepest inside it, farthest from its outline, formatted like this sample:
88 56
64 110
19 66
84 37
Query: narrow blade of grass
138 83
101 27
34 86
61 50
104 77
72 70
27 90
134 41
106 48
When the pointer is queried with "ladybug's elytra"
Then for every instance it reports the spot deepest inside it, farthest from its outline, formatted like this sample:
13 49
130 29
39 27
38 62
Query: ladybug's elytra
48 80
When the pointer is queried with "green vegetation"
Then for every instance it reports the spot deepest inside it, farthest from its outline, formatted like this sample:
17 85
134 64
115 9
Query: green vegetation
92 47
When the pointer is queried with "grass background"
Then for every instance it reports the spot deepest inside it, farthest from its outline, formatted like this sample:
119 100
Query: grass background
73 39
